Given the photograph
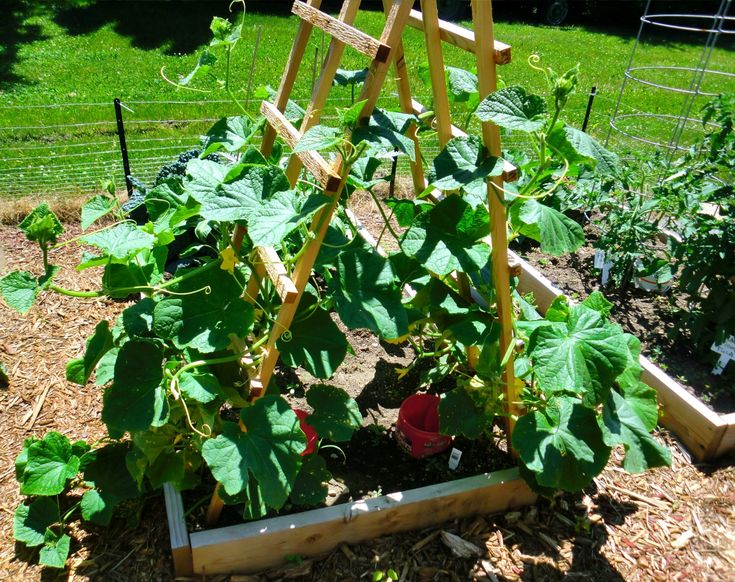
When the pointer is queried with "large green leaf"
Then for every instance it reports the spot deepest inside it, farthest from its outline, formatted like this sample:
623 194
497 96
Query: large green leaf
447 238
314 342
240 198
98 507
136 399
606 161
203 177
557 233
561 444
344 77
229 134
465 163
20 289
466 410
200 386
208 311
269 449
310 487
41 225
462 84
621 425
121 241
95 208
583 356
138 318
106 367
336 416
55 550
104 469
319 138
166 199
513 108
79 370
280 215
383 140
368 295
50 464
30 522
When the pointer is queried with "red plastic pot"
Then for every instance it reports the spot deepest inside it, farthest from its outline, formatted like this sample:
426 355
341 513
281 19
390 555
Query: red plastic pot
311 436
417 429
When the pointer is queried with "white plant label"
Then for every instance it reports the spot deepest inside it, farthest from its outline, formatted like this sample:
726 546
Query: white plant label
727 353
606 272
454 459
599 259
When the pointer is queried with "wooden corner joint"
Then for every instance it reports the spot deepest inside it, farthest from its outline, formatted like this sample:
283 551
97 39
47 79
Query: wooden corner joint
514 268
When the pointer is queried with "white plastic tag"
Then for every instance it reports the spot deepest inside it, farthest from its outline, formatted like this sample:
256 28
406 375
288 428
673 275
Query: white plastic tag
454 459
606 272
727 353
599 258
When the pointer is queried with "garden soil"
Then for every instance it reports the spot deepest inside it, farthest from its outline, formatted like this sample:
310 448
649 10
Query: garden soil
668 524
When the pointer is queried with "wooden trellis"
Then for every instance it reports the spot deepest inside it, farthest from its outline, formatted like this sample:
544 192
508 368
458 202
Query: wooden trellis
383 52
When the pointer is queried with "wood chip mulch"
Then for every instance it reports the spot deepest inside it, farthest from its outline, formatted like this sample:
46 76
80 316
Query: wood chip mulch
676 523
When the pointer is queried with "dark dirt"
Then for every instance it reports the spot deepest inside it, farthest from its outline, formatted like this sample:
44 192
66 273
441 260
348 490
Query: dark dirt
650 316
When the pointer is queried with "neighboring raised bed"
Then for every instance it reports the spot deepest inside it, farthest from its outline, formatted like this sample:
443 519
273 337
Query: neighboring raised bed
706 434
254 546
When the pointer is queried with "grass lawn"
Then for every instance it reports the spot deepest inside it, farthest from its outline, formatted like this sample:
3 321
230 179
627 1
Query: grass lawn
60 72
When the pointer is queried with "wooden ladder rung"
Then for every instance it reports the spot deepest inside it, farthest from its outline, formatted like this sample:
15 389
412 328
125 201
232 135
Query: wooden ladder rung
461 37
269 263
316 164
510 172
343 32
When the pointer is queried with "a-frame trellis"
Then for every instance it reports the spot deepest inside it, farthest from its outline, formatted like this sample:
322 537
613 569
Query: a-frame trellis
250 547
386 50
383 52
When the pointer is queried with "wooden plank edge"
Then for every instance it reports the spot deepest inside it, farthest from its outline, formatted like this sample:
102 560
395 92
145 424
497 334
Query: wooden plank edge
180 544
698 427
727 444
264 544
510 172
461 37
343 32
276 270
314 162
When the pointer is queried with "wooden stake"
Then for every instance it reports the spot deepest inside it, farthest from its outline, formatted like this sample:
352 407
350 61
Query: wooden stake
482 19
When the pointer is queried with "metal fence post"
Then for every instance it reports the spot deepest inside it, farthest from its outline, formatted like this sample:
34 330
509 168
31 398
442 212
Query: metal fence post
593 92
123 146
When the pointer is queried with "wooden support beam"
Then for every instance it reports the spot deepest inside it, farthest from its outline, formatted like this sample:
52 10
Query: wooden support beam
267 543
178 534
461 37
349 35
270 263
317 165
482 19
301 40
435 56
323 84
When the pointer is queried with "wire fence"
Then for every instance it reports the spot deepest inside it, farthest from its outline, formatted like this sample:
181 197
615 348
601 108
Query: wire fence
69 149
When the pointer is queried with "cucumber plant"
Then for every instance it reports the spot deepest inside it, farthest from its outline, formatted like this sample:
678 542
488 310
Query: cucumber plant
171 366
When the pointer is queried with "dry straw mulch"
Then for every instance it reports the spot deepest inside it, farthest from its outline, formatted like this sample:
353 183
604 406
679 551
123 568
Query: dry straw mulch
669 524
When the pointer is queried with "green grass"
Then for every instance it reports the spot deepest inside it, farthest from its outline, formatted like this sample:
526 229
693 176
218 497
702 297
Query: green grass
118 50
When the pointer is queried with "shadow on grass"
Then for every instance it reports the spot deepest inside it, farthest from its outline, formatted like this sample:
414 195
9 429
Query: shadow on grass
15 32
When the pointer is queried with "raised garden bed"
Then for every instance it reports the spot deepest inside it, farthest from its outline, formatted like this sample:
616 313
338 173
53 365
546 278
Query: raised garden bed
266 543
707 434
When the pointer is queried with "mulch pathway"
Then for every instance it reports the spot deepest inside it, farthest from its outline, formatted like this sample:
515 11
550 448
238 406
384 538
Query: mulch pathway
676 523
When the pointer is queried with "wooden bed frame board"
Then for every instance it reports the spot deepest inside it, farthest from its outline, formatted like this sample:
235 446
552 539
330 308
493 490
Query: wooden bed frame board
255 546
706 434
